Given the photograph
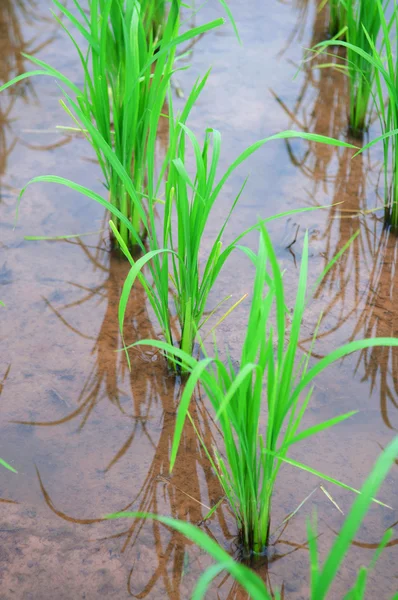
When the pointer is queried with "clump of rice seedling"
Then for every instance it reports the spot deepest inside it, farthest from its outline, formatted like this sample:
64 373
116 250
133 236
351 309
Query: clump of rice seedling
363 27
154 16
270 375
337 15
361 31
173 255
383 64
127 71
321 577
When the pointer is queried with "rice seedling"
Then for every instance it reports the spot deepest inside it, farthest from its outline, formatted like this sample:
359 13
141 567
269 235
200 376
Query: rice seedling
270 367
126 73
154 16
337 15
383 62
321 577
173 256
361 30
176 256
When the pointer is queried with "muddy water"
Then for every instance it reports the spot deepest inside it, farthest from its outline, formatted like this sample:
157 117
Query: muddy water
89 438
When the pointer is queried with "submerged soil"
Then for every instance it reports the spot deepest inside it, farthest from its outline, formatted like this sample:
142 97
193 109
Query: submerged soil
87 436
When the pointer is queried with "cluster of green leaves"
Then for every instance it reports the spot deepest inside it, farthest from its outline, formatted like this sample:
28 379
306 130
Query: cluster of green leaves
373 69
173 255
337 15
126 73
154 16
270 377
361 30
321 577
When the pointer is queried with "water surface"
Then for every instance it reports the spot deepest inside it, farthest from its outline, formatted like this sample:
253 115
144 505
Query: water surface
87 436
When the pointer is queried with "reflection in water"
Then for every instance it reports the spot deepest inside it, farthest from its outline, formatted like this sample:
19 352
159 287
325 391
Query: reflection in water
303 9
380 319
320 107
14 16
13 42
192 490
345 220
365 273
4 378
359 289
6 145
110 366
179 494
2 382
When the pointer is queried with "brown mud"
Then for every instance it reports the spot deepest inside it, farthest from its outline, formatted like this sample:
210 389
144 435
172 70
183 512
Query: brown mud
87 436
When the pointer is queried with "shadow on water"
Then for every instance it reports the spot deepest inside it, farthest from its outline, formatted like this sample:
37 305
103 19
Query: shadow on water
110 366
303 10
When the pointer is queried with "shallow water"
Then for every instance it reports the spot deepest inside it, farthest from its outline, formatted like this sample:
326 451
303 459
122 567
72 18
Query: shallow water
89 438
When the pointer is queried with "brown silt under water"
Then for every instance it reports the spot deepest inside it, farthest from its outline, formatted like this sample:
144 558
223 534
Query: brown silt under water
87 436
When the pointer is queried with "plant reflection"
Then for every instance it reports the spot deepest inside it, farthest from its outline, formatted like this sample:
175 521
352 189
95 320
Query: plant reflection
2 383
359 290
380 318
16 17
110 367
346 226
152 392
303 8
320 107
178 495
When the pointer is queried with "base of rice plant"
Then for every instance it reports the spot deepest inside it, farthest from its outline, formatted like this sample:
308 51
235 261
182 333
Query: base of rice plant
272 376
379 62
127 71
363 22
321 577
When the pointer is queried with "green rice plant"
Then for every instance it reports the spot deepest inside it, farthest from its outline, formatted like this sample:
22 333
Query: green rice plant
154 16
337 15
126 76
172 256
362 29
175 256
321 577
383 62
271 376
